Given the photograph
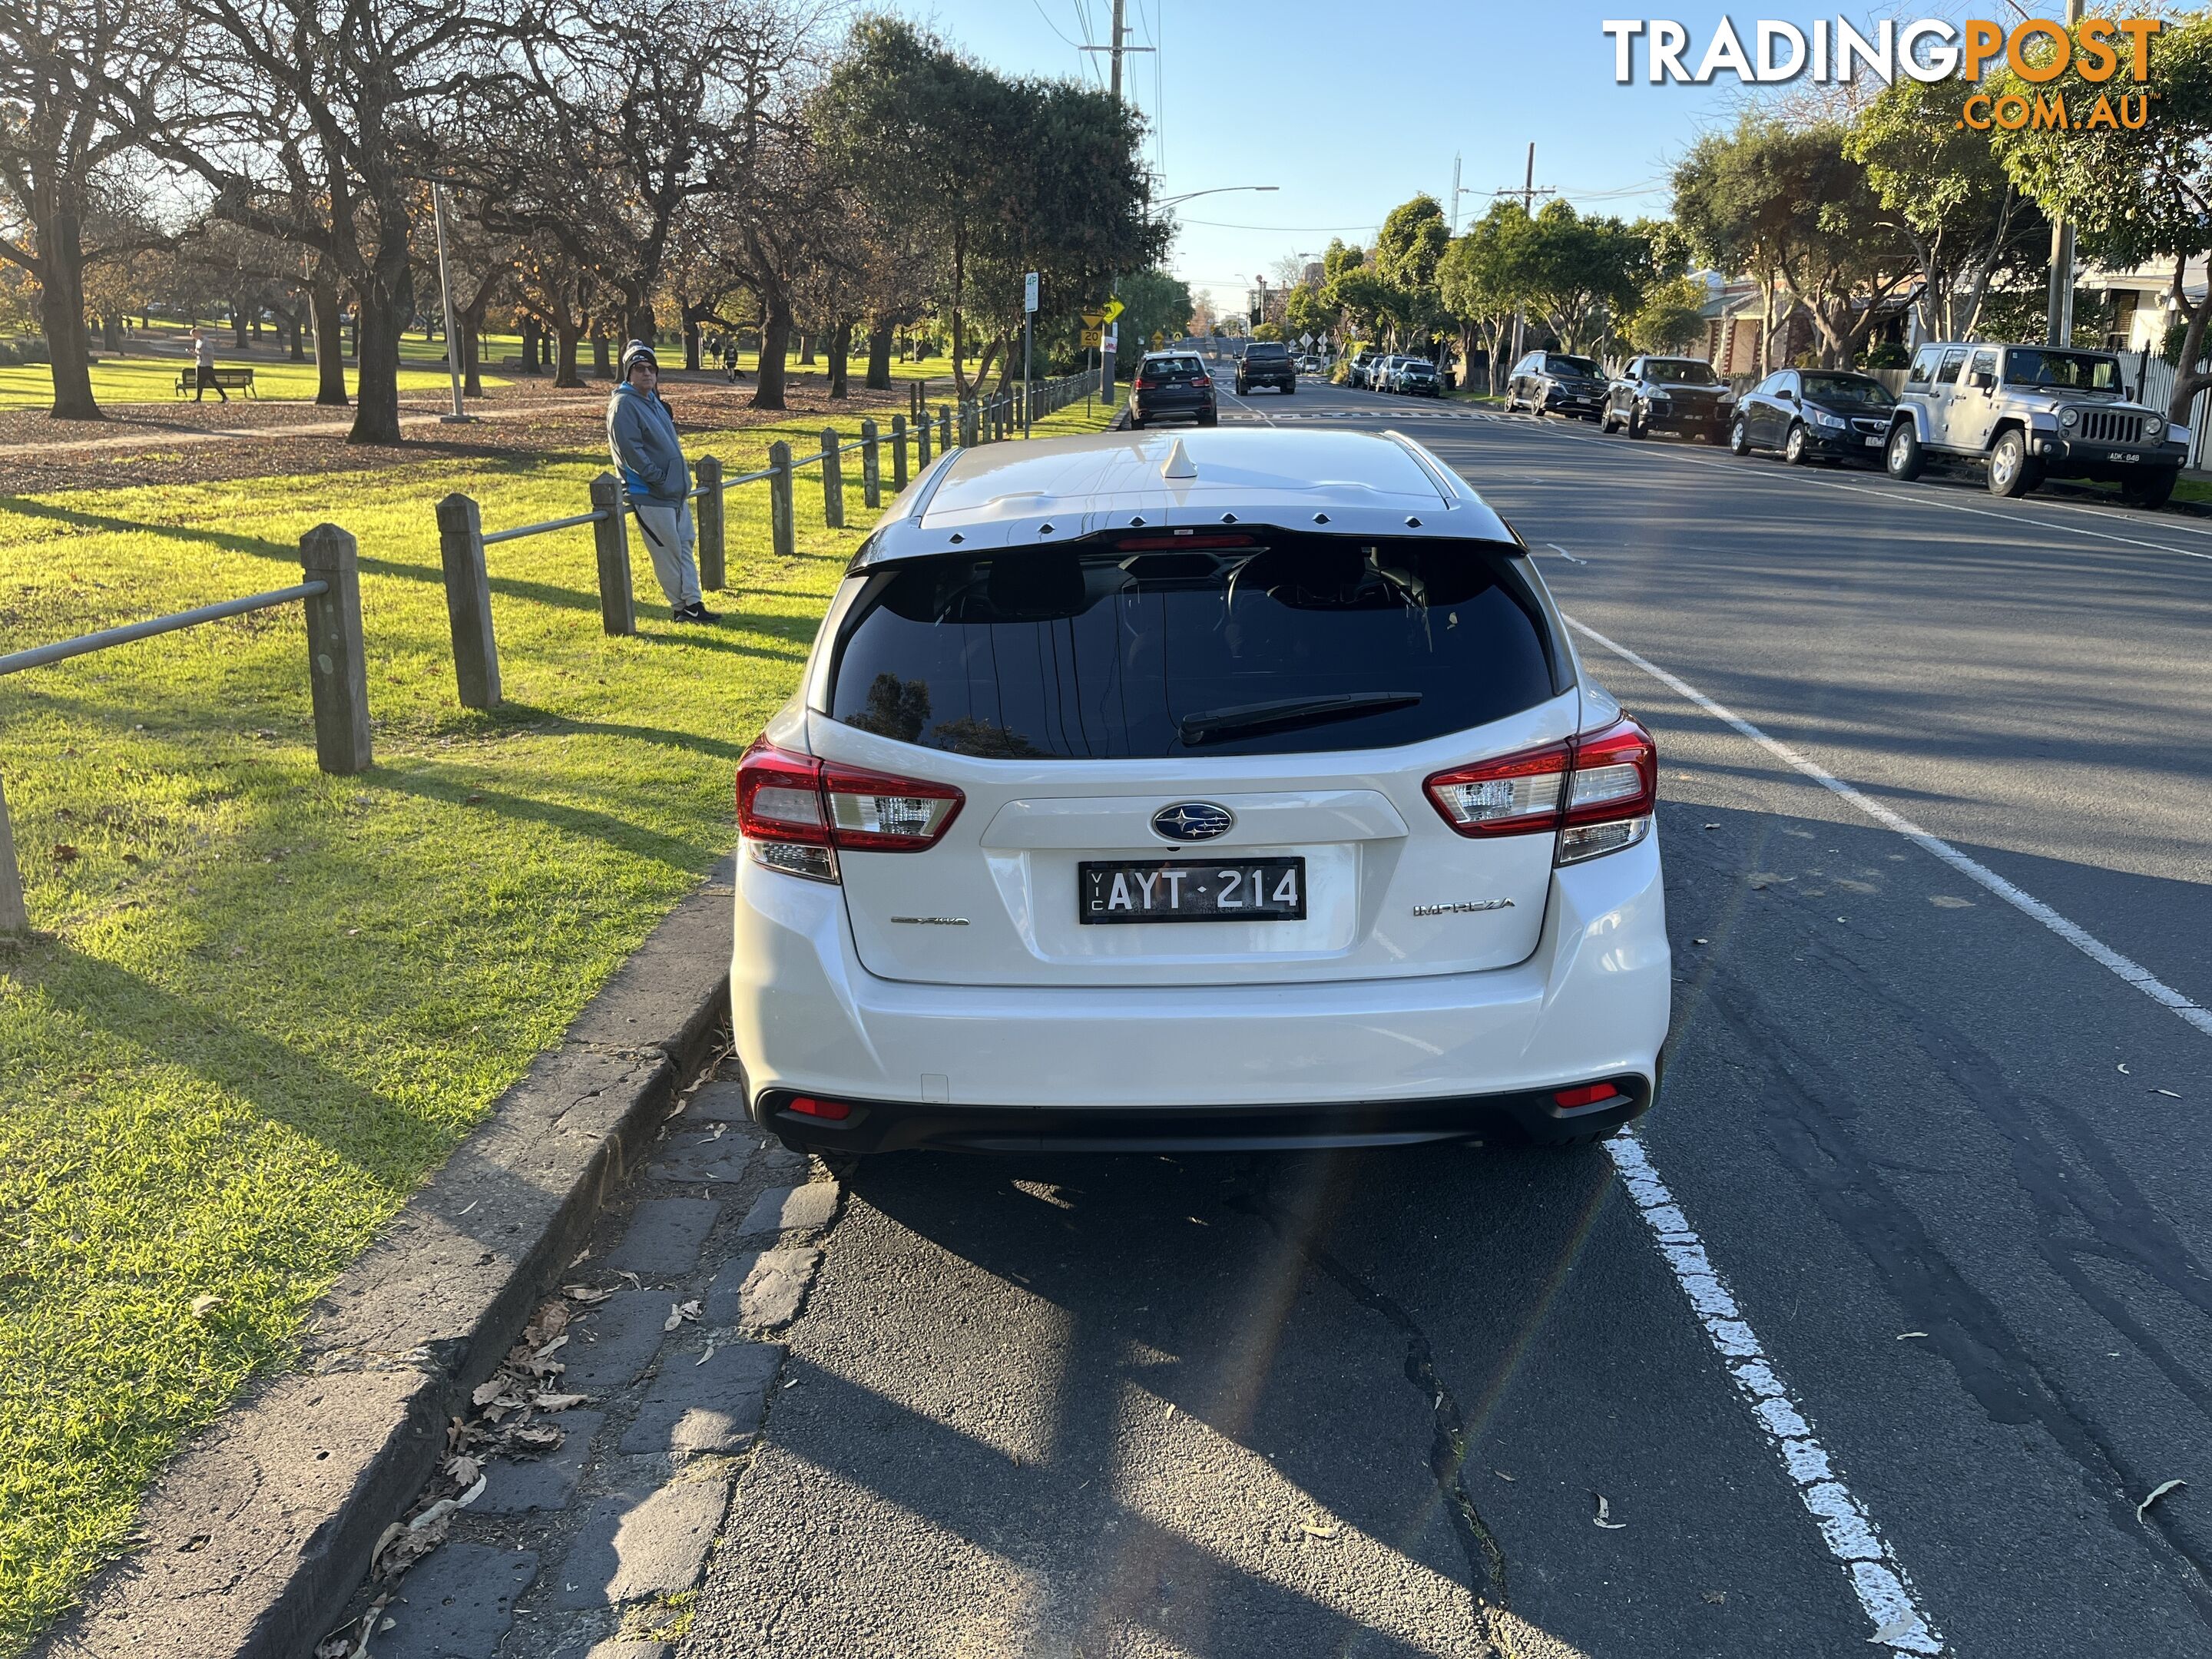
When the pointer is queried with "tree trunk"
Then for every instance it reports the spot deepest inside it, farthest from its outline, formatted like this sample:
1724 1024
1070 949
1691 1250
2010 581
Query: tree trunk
639 320
602 368
775 344
238 323
472 352
2187 381
564 369
841 359
530 337
110 332
691 345
383 318
61 316
878 377
329 353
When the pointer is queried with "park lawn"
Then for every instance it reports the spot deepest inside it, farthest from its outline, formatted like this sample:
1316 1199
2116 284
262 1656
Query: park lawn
266 1003
154 380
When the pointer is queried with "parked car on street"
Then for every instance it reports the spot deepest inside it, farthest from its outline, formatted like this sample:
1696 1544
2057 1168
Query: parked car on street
1416 376
1266 363
1239 790
1357 367
2027 413
1169 384
1814 414
1668 394
1556 383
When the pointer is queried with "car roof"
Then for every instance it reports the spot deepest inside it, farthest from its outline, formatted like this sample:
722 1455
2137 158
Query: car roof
1052 489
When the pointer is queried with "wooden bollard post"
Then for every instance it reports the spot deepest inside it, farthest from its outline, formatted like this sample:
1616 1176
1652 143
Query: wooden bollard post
713 563
898 452
921 441
945 426
967 426
783 533
871 466
337 665
14 917
611 535
833 481
468 602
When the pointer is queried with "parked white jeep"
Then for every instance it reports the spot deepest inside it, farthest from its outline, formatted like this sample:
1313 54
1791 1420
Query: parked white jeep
2028 413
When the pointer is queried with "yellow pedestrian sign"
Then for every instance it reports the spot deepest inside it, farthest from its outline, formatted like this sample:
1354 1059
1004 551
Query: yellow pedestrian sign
1159 339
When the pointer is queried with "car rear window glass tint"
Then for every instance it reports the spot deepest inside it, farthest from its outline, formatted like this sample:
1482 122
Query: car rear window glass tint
1102 652
1682 371
1953 362
1265 348
1848 389
1923 368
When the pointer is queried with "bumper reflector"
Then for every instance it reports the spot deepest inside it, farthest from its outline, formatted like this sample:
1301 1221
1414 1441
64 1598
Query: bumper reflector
1588 1095
808 1106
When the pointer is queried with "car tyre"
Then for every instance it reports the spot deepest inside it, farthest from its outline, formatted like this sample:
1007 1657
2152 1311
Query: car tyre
1605 421
1903 458
1136 421
2011 473
1209 417
1637 425
1290 389
2151 488
1797 447
1739 438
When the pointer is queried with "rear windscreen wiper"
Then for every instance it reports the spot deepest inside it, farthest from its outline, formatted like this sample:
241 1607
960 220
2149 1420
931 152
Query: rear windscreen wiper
1285 711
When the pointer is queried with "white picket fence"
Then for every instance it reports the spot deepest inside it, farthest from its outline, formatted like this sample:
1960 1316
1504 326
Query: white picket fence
2156 389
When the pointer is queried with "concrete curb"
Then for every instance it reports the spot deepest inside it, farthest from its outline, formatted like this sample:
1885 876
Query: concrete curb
253 1538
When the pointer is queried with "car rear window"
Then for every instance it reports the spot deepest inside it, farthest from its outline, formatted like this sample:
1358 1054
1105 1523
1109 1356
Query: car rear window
1266 348
1163 366
1680 371
1559 364
1140 649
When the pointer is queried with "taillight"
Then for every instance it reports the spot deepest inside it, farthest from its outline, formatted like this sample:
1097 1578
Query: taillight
1140 384
797 814
1200 381
1597 793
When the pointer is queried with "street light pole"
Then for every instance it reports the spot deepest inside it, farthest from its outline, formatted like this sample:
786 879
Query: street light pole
2058 318
445 289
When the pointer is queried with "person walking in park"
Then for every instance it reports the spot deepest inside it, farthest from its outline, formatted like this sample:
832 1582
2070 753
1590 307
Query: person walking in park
203 369
642 433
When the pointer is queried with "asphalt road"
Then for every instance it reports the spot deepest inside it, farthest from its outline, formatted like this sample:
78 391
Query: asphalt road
1927 1117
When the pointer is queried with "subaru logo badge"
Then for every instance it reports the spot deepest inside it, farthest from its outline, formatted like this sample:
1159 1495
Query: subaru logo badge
1191 820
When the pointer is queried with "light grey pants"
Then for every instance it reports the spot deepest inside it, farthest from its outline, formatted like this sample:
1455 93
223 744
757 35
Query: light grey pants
666 527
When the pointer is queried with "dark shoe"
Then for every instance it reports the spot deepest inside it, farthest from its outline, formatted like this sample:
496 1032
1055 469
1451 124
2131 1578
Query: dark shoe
693 613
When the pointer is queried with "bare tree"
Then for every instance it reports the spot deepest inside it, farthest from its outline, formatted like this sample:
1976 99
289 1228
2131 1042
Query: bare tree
62 137
318 121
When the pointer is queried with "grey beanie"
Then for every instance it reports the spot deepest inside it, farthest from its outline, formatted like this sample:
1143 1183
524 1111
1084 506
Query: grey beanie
635 353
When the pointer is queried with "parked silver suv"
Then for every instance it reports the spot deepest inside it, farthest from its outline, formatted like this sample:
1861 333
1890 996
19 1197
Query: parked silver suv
2030 413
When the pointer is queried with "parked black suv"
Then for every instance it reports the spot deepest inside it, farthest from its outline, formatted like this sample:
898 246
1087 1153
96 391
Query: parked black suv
1171 383
1266 363
1668 394
1556 383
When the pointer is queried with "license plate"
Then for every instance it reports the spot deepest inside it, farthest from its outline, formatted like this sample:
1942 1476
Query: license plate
1873 443
1177 889
2127 461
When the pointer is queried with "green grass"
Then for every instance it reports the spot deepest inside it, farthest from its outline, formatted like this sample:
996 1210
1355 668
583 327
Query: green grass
267 1002
154 379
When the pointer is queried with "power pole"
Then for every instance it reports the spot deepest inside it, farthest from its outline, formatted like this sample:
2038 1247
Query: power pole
1528 193
1113 51
1454 199
2058 321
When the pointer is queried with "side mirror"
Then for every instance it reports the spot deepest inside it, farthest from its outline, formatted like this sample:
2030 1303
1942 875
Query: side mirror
1983 380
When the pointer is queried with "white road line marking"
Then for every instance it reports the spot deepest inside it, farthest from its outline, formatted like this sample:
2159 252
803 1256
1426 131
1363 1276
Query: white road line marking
1884 1591
2124 968
1564 554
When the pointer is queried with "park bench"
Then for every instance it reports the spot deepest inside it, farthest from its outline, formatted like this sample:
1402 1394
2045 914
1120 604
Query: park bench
231 380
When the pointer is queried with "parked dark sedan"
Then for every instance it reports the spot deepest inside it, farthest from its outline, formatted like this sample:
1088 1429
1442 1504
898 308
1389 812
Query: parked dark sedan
1556 383
1170 383
1668 394
1814 414
1416 377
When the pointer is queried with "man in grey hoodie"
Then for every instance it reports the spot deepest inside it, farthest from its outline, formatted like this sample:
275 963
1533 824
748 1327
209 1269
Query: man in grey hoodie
642 433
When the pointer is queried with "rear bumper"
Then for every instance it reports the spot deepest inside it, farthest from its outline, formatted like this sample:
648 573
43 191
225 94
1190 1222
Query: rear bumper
1423 1055
1156 406
1573 402
901 1126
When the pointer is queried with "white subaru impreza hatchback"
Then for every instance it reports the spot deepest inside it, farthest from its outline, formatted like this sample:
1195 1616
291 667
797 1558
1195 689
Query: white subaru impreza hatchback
1233 789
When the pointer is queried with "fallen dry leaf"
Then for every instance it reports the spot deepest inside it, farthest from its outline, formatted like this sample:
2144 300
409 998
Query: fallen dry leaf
679 1312
464 1469
1896 1630
2168 1093
1313 1526
487 1391
1604 1515
585 1294
557 1402
1502 1476
1715 1598
636 1283
204 1305
2155 1494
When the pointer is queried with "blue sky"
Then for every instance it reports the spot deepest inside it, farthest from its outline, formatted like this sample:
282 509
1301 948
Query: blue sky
1351 109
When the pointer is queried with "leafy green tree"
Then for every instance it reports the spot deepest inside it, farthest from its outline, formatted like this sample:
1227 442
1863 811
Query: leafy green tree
1412 242
1304 312
1152 302
1670 318
2136 196
1785 205
1367 301
1268 331
1338 258
1577 274
1480 283
1941 185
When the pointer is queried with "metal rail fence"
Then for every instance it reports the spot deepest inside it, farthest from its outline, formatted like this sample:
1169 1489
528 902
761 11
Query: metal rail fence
337 665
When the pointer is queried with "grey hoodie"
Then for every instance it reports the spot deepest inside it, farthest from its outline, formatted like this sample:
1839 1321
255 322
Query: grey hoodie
642 435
